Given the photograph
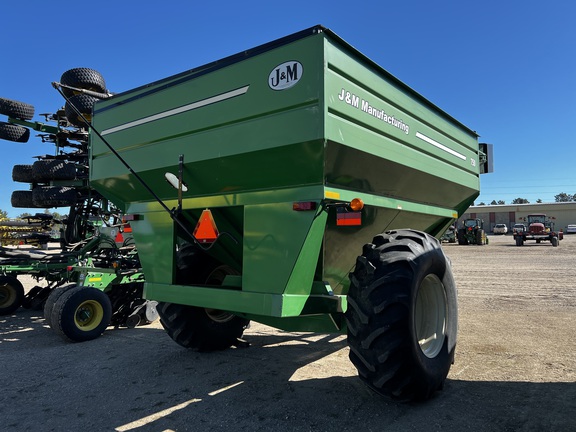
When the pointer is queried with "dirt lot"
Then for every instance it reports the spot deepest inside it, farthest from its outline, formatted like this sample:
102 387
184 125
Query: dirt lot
515 367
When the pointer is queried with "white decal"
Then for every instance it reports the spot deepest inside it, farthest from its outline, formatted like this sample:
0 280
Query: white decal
285 75
365 106
199 104
440 146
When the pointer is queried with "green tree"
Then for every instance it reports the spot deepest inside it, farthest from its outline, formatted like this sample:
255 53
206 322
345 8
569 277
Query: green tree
539 201
501 202
563 197
482 203
3 214
493 202
520 201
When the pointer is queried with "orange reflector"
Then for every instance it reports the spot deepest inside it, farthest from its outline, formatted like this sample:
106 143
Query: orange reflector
356 204
206 231
127 228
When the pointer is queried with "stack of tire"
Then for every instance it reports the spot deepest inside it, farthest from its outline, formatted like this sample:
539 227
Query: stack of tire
51 178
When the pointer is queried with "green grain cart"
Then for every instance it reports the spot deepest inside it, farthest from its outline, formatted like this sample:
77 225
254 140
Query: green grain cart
253 183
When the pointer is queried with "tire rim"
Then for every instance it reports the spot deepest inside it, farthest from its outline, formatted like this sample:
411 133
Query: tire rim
431 316
7 296
89 315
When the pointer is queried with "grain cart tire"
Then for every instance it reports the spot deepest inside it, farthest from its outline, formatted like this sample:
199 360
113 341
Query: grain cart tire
402 315
83 78
84 104
16 109
554 241
203 329
54 196
22 173
55 294
81 314
53 169
22 199
14 133
11 294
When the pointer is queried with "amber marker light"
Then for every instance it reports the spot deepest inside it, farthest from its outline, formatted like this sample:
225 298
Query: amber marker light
356 204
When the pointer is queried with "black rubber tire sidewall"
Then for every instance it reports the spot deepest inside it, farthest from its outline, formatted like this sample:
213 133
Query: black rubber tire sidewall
16 290
381 315
65 308
52 299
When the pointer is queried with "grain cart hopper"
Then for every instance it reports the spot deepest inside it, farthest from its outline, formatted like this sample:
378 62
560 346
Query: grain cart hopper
253 183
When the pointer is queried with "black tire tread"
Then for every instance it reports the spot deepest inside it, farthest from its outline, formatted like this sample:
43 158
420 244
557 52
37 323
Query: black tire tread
14 133
378 317
84 78
16 109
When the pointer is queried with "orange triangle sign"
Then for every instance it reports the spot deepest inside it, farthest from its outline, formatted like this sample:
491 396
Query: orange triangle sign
206 231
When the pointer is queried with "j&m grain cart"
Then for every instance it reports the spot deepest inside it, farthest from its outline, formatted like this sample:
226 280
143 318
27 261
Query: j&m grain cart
253 183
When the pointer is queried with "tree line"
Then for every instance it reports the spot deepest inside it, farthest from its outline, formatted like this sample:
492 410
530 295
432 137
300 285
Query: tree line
561 197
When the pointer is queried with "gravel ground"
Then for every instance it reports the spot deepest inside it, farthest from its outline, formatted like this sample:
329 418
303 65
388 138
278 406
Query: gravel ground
515 366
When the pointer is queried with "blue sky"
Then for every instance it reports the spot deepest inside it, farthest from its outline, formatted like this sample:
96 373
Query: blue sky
506 69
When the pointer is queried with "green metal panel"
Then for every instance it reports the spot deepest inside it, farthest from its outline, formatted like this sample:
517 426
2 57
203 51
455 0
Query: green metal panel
344 128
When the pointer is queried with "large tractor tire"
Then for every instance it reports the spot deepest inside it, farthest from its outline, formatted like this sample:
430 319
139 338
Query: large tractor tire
199 328
82 78
481 237
54 296
14 133
11 294
402 315
22 173
81 314
47 170
16 109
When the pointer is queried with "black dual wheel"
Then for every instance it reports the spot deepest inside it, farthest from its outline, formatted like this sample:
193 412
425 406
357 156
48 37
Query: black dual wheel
54 296
81 314
11 132
402 315
22 199
82 78
11 294
54 196
78 108
202 329
16 109
22 173
53 169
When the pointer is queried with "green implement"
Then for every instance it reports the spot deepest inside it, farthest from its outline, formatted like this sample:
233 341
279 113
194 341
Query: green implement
253 183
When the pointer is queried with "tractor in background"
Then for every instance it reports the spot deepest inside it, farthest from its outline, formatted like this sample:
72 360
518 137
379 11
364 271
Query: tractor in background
472 232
